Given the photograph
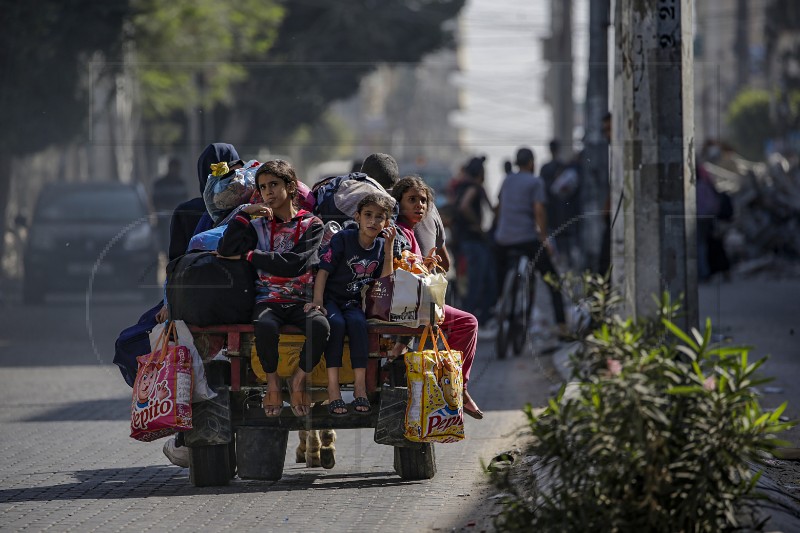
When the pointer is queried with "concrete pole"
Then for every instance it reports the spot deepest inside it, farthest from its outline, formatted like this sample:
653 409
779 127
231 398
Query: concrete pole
561 66
742 45
653 154
595 188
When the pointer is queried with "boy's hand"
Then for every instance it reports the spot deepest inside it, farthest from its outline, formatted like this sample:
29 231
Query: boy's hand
315 306
258 210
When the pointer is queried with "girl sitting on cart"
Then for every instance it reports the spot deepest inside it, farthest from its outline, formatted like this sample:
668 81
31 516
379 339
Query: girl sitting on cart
281 242
355 256
460 327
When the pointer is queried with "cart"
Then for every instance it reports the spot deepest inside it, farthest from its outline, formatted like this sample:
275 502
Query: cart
232 435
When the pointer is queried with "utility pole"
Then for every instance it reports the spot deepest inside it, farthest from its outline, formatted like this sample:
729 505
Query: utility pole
742 45
653 154
595 188
558 85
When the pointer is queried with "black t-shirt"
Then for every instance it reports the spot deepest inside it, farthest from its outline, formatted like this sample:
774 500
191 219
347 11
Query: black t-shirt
465 228
350 266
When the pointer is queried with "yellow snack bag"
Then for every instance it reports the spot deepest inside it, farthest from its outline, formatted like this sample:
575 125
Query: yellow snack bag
435 393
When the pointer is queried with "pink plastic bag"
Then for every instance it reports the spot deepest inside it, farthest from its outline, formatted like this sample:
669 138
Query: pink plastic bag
162 392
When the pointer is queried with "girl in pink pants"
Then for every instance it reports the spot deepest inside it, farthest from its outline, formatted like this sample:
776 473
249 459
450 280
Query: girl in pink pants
460 327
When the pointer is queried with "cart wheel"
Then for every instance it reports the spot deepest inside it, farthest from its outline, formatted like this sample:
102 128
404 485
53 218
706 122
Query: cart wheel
232 455
209 466
415 463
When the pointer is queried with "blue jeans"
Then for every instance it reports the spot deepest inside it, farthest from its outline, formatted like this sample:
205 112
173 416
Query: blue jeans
350 320
481 282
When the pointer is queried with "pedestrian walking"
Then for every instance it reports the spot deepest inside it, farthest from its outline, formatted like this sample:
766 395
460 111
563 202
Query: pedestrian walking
474 244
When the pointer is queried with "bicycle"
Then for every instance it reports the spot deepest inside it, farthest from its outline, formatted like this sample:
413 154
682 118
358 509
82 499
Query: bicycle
514 310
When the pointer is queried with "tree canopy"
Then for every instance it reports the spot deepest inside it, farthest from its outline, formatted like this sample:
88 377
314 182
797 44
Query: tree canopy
325 48
267 66
46 52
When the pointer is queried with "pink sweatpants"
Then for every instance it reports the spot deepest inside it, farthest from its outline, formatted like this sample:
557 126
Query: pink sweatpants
461 330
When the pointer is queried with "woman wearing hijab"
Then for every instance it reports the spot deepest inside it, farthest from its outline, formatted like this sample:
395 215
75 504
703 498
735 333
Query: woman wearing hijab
191 217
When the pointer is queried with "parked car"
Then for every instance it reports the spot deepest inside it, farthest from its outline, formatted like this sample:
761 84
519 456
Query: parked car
94 234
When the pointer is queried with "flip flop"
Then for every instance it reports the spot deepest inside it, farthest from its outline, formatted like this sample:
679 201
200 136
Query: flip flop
361 401
272 400
337 404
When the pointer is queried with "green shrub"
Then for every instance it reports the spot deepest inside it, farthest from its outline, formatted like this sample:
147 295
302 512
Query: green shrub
656 436
749 123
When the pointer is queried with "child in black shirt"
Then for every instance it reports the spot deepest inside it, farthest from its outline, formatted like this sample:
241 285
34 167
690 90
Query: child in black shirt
354 258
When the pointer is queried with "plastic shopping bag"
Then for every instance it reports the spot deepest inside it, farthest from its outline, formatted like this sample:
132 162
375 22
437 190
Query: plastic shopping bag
161 403
435 393
206 241
433 286
434 289
223 193
394 299
200 389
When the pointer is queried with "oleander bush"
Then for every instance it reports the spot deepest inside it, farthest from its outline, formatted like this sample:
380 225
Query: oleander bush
657 435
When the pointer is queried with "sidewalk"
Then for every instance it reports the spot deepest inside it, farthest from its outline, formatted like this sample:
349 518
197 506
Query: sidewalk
763 314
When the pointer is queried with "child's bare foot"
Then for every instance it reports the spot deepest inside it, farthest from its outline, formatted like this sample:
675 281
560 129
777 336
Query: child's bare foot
300 401
272 403
470 407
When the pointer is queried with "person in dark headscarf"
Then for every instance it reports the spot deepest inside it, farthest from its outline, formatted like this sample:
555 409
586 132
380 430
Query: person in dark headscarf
191 217
188 219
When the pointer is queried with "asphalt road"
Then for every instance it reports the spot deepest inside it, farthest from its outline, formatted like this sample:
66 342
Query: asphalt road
763 313
68 461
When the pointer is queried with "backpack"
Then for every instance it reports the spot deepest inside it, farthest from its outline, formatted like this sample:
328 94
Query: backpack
203 289
337 199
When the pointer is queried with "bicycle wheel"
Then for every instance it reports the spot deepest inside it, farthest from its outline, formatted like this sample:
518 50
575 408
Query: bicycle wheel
505 313
523 309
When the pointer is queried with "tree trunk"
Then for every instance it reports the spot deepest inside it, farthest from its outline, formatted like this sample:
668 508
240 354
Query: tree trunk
5 190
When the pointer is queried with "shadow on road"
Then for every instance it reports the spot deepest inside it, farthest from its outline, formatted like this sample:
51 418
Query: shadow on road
87 410
164 481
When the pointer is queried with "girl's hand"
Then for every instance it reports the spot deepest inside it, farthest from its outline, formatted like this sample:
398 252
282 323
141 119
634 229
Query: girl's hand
161 316
315 306
432 259
389 233
258 210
